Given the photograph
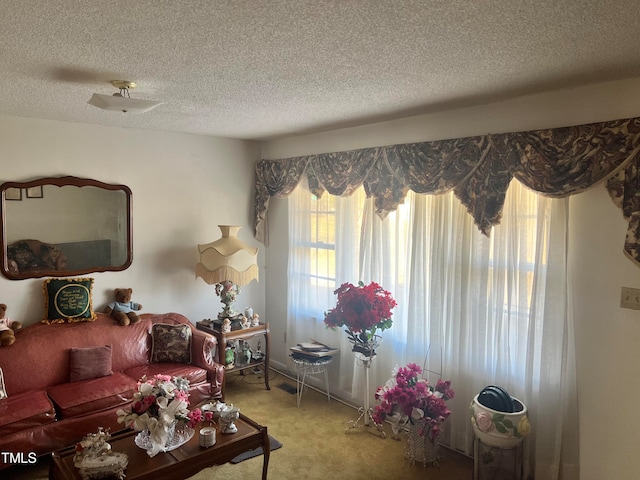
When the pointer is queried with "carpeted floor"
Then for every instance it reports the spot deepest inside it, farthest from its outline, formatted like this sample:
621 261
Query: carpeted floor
315 445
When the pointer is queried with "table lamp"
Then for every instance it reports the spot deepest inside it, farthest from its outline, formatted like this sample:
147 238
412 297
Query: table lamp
228 263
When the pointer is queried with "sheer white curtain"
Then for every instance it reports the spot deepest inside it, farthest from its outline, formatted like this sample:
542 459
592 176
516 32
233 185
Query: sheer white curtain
475 310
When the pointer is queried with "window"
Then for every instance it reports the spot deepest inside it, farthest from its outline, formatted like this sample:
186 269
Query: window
322 242
489 310
314 249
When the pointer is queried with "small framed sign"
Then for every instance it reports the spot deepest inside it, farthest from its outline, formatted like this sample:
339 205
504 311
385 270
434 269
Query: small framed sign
34 192
13 194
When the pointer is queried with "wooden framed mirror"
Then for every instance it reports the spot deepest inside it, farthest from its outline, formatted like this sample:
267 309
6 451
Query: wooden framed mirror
64 226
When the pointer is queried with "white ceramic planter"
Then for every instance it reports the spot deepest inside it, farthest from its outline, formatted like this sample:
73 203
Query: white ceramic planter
499 429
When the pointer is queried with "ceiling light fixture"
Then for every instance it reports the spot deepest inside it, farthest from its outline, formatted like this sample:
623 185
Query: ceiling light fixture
122 101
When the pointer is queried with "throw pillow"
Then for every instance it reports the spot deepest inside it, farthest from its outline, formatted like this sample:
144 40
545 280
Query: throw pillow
89 362
68 300
170 343
3 390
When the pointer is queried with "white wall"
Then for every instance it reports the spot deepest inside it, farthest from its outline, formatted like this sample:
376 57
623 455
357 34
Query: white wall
183 187
607 337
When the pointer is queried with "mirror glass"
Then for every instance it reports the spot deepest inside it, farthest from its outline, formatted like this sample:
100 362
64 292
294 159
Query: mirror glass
64 226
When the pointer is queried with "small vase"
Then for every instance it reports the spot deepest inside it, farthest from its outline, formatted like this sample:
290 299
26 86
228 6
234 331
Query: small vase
499 429
366 349
228 418
420 448
398 424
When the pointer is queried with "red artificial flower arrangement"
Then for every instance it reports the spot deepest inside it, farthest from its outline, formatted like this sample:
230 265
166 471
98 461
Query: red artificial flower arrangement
363 310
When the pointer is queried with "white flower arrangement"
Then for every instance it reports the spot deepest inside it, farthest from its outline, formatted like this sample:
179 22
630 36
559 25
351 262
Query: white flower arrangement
158 405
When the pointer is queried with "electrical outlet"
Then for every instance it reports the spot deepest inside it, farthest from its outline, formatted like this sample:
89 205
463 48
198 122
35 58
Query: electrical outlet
630 298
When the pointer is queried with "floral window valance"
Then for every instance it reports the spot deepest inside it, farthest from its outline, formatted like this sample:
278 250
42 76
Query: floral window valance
555 162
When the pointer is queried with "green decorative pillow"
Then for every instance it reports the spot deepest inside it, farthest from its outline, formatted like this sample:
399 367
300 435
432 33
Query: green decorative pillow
68 300
170 343
3 390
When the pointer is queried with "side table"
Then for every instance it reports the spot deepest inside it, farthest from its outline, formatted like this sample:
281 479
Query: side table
311 363
310 366
240 334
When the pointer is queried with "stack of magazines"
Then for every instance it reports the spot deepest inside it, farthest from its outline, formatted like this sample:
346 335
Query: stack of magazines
313 349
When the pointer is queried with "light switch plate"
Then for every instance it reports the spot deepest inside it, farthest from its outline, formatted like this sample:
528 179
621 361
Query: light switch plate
630 298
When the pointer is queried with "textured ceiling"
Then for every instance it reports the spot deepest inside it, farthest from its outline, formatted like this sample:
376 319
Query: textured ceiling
260 69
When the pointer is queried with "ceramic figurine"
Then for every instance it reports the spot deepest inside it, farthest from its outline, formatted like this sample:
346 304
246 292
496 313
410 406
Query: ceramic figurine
226 325
94 458
246 353
229 356
255 320
225 414
245 322
227 418
258 355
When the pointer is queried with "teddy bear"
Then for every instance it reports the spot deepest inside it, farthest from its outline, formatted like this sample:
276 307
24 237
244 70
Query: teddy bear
123 309
7 327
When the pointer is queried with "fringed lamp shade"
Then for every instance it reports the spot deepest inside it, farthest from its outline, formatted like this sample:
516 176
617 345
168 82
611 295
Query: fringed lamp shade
227 263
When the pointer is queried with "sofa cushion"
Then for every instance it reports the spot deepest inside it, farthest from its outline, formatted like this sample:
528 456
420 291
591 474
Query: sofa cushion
194 374
87 396
170 343
25 410
89 362
68 300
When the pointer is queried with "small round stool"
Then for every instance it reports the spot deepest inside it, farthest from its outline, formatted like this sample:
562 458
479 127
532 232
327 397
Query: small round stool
310 366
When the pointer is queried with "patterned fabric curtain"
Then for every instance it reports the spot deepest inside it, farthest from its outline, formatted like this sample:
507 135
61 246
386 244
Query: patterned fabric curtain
554 162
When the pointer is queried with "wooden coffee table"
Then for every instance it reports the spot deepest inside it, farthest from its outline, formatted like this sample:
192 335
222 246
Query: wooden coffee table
183 462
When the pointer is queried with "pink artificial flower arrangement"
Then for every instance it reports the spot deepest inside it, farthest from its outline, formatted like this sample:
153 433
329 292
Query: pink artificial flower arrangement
160 402
362 309
407 397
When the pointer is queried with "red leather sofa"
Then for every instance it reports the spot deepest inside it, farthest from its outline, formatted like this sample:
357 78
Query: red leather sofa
44 411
